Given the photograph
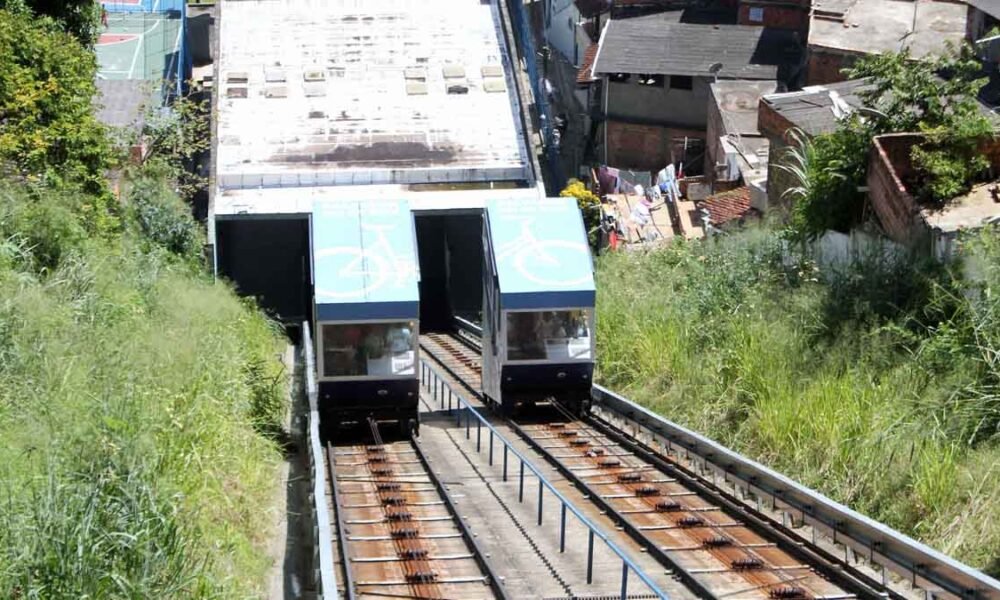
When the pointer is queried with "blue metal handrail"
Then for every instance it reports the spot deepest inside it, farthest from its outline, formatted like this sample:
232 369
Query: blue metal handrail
326 579
462 406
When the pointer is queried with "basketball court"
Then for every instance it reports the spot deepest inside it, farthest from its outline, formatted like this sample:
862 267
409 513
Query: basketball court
142 40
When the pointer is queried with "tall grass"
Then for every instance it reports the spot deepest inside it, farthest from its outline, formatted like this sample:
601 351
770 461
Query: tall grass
875 385
133 393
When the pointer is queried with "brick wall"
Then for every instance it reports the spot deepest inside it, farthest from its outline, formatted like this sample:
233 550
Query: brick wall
770 122
888 165
642 147
779 16
825 65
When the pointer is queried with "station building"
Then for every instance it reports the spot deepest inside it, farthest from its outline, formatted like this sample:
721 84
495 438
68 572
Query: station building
342 101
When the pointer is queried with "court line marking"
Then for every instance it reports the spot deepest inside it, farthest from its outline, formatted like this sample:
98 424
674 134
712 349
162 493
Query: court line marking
138 46
126 37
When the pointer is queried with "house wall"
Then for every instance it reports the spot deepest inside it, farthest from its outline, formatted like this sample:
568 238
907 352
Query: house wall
889 163
562 32
713 147
643 147
630 101
780 15
825 65
978 24
774 127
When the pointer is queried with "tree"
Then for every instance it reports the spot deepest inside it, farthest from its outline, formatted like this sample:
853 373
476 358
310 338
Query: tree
49 132
79 18
936 97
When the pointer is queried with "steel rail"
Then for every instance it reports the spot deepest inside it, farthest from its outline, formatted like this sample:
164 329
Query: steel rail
470 539
326 578
925 567
850 580
465 414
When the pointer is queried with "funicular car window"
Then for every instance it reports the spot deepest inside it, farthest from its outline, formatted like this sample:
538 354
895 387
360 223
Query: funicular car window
369 349
549 335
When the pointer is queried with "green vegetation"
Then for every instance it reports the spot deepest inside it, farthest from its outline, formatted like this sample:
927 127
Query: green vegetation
139 399
879 385
49 132
905 95
590 206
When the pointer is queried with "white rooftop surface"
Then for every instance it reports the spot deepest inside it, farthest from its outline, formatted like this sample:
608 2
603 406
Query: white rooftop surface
355 92
972 211
243 203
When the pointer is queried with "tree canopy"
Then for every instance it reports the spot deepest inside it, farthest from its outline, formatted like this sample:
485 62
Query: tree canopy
935 97
79 18
49 133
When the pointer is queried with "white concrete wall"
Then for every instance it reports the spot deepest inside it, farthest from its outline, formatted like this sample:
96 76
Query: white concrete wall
562 32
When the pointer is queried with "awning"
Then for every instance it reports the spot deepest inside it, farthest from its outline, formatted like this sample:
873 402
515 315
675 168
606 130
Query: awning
364 261
540 252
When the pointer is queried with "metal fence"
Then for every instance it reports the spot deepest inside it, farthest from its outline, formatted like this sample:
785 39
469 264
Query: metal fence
526 41
326 578
467 417
146 40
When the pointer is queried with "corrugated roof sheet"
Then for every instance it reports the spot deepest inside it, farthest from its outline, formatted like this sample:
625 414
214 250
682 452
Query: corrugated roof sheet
123 102
655 44
990 7
811 109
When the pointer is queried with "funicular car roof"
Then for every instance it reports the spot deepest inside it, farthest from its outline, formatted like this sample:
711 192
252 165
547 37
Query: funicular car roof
540 252
364 261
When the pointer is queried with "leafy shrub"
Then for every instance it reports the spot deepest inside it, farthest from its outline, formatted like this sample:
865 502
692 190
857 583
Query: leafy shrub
164 218
590 206
46 225
878 385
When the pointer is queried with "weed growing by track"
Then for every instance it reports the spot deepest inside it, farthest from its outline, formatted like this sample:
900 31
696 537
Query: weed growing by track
137 402
878 385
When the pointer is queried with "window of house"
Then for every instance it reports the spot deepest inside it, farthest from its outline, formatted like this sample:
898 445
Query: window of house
652 80
620 77
681 82
756 14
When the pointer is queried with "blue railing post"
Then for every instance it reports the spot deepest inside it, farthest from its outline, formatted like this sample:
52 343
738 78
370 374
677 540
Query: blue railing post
562 529
520 485
540 488
590 557
624 580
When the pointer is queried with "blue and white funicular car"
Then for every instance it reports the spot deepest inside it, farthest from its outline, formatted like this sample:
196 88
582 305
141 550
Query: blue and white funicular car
366 311
538 304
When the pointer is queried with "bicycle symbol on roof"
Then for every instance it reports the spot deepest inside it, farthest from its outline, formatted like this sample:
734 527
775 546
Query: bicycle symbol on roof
372 268
545 262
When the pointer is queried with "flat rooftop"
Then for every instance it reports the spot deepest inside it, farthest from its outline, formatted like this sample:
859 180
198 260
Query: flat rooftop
298 201
873 26
738 101
974 210
343 92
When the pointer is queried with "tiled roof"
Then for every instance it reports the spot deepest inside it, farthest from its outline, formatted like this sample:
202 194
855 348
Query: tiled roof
728 206
586 73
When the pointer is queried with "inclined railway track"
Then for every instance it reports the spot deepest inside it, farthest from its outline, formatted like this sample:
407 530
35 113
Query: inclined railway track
713 543
399 536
